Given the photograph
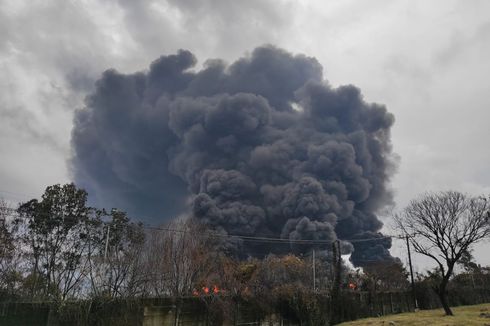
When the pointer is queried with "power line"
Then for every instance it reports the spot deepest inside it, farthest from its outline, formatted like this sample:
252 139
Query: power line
274 240
18 195
263 239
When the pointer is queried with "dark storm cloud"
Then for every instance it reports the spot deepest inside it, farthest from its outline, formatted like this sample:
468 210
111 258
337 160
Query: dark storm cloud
261 147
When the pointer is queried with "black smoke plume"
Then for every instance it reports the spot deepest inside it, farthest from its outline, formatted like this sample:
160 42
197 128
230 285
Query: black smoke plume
261 147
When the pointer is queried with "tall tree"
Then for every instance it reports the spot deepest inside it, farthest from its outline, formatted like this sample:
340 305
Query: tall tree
6 241
444 226
7 252
115 256
180 255
55 233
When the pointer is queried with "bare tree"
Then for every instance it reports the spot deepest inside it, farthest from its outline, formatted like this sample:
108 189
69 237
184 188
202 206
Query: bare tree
114 254
443 226
178 257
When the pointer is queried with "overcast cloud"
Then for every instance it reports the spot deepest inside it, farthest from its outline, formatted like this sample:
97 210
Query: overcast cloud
426 61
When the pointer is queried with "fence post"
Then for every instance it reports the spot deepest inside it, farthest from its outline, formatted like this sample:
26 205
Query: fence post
391 302
382 304
407 301
360 312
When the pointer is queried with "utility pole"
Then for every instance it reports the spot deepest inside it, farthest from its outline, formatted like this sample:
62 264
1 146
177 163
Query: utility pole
336 308
314 271
411 272
106 242
338 267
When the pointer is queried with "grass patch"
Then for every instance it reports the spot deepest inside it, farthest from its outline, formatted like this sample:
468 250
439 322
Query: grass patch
477 315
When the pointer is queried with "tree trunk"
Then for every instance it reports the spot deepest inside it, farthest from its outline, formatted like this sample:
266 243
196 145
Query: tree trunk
442 293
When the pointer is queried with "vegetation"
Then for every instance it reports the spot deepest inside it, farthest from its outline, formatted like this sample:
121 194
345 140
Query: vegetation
444 226
476 315
58 249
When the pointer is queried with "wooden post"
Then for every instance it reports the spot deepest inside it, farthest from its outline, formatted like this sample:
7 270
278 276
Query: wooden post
314 271
106 242
382 304
391 303
335 311
411 273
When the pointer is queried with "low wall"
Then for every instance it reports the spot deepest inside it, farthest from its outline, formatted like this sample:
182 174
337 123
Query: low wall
210 310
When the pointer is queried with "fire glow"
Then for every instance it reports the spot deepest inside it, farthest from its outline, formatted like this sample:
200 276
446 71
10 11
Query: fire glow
207 291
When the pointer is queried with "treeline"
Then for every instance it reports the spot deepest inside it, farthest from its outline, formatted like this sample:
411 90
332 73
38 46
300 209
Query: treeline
58 249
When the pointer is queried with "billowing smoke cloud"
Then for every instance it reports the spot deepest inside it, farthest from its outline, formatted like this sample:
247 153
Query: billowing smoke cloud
261 147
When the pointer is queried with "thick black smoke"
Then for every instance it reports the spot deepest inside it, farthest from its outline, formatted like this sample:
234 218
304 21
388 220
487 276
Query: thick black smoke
261 147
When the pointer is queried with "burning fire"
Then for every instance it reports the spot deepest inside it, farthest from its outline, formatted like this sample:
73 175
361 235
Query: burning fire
206 291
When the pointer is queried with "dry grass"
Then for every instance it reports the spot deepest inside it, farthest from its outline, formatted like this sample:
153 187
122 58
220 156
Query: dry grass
463 316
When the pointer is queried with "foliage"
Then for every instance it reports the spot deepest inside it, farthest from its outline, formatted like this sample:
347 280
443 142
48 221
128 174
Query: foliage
8 273
55 233
297 303
390 276
58 248
6 239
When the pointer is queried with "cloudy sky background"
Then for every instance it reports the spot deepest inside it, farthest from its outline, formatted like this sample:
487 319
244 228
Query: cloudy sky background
427 61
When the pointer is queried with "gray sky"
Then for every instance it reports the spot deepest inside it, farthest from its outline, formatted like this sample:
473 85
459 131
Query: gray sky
427 61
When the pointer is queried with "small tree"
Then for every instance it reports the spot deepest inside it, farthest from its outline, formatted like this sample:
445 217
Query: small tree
444 226
386 276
